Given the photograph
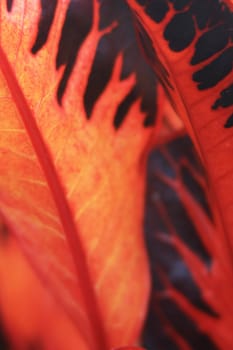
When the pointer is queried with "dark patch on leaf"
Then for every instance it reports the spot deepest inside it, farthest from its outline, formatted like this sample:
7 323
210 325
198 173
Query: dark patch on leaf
124 108
9 4
225 101
76 27
210 43
180 31
216 18
215 71
48 9
229 122
121 40
226 98
157 10
206 13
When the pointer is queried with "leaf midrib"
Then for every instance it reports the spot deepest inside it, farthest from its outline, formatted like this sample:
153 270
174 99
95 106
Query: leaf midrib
70 229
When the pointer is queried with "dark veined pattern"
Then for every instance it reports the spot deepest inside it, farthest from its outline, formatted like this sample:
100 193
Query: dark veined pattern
208 26
168 326
122 38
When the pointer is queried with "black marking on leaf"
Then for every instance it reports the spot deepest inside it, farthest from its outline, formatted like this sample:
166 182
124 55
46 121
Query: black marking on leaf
215 42
101 71
121 40
9 4
48 9
226 98
215 71
180 31
210 43
206 13
76 27
124 108
157 10
229 122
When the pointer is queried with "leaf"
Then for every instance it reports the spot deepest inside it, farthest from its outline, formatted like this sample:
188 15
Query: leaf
71 188
189 45
31 318
190 269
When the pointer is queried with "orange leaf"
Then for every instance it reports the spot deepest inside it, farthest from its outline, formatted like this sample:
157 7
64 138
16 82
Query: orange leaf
71 189
30 315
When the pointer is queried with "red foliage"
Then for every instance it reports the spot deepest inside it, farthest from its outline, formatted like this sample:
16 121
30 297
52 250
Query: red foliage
73 150
72 188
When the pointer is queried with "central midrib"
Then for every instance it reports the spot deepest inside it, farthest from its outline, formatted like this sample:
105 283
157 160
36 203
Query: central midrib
64 212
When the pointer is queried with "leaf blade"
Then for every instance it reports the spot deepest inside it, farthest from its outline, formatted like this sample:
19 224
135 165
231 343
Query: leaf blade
92 188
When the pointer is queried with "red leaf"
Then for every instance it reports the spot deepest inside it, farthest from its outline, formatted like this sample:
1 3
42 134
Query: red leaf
190 45
71 189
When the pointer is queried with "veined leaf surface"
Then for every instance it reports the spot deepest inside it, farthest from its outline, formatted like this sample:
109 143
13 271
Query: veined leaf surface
71 186
189 44
191 299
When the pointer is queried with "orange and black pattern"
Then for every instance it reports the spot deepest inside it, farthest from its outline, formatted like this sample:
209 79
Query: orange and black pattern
121 39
